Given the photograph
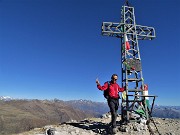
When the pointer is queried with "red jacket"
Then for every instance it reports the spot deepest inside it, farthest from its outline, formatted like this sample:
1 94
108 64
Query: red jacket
114 88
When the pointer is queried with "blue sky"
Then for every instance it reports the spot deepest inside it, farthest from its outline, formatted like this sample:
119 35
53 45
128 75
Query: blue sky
54 48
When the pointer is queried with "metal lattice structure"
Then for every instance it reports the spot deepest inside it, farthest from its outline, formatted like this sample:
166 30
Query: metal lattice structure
135 98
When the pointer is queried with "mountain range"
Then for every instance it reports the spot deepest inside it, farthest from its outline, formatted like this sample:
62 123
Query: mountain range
23 115
18 115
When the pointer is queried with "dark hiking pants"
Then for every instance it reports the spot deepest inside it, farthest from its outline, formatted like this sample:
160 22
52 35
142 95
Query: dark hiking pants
113 105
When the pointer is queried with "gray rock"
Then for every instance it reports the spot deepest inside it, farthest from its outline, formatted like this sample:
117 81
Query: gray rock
77 131
106 115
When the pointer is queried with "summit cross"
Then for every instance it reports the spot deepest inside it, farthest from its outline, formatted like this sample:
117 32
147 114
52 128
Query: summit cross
135 97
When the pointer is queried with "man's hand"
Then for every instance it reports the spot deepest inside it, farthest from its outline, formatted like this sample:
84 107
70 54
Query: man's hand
97 81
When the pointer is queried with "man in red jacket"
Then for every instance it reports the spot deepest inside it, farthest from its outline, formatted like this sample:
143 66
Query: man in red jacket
113 100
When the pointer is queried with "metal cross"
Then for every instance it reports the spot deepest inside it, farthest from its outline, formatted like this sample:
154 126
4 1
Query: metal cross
135 97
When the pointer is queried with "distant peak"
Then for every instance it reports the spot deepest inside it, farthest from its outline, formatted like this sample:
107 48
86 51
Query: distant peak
5 98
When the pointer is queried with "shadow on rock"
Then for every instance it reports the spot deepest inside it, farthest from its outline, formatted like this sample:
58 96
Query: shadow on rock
97 127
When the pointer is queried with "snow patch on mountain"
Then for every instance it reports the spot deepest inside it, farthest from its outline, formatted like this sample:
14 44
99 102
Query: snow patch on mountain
6 98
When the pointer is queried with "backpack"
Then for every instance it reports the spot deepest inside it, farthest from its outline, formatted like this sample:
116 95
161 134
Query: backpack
106 92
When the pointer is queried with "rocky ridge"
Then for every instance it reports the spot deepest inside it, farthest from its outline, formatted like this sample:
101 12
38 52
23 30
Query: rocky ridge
100 126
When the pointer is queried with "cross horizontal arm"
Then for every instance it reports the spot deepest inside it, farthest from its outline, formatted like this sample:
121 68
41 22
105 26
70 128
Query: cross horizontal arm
117 30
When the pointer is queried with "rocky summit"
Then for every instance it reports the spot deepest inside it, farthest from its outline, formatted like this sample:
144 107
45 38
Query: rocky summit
100 126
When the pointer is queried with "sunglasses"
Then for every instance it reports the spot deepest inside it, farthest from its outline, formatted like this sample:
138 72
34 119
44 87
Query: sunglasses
114 79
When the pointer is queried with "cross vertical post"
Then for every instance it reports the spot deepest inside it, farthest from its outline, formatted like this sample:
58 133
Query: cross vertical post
135 97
